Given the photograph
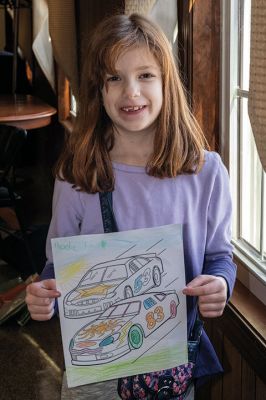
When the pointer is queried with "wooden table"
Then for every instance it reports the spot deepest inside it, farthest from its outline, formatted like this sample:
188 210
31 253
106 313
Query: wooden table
25 111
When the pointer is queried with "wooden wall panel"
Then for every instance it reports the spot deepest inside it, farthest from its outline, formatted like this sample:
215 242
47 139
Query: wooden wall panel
206 69
185 53
242 354
232 376
248 381
260 389
217 383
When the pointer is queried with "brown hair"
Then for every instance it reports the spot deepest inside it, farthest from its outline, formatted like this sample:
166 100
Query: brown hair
179 142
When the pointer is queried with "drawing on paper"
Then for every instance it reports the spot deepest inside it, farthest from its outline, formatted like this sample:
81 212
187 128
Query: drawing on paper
122 328
108 282
122 310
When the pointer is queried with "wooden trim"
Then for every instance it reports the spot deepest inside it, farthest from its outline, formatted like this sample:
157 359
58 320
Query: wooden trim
185 44
205 68
251 310
63 95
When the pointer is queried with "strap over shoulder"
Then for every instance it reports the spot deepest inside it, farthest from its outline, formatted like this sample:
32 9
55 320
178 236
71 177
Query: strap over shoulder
108 217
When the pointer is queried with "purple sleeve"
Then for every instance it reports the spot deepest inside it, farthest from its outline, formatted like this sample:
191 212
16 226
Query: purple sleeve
48 272
66 220
218 253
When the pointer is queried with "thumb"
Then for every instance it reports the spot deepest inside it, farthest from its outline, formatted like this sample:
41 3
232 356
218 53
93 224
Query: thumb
49 284
200 280
46 288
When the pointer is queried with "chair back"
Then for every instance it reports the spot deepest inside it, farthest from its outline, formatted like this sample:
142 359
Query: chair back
11 141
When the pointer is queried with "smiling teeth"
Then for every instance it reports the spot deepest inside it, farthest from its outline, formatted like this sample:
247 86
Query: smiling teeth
136 108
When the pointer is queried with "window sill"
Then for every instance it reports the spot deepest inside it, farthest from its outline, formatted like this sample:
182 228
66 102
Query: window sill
250 310
250 276
250 260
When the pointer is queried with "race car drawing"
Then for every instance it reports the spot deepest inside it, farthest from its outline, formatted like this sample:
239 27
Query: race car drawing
108 282
122 328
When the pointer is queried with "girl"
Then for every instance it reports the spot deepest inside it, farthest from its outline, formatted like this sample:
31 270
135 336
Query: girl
136 137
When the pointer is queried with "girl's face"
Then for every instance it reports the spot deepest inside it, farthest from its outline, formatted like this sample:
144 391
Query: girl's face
133 96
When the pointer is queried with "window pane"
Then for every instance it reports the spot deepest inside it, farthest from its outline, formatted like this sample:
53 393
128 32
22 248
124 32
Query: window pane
250 190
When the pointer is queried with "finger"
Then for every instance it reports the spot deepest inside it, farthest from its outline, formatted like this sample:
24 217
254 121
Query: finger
200 280
43 289
42 317
206 286
211 314
39 301
35 309
48 284
211 310
205 290
219 297
211 307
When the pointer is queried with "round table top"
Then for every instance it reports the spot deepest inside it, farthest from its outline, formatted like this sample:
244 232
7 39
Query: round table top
25 111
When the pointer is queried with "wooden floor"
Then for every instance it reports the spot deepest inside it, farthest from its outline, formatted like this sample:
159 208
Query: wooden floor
32 363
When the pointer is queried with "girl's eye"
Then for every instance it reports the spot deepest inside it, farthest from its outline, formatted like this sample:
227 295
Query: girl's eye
113 78
147 75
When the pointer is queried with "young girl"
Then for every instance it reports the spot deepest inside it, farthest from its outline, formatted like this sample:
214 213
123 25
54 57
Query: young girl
136 137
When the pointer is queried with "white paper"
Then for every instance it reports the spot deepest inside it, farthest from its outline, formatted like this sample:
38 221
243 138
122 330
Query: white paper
122 310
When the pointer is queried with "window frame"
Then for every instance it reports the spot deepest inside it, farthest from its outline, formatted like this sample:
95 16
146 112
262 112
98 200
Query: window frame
250 272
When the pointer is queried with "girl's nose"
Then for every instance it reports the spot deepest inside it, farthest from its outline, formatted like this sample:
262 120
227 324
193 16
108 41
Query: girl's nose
132 89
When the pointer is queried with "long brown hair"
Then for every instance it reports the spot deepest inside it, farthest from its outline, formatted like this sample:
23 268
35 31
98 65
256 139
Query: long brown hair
179 141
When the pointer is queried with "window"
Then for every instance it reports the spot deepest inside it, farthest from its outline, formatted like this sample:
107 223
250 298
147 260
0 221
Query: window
248 182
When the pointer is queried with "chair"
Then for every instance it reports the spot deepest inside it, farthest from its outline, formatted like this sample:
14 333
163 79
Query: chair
11 142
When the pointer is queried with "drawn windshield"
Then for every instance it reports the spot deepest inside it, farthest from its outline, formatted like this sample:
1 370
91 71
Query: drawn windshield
119 310
107 313
127 309
133 309
106 274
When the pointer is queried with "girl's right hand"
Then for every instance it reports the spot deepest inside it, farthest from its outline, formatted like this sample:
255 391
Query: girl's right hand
40 299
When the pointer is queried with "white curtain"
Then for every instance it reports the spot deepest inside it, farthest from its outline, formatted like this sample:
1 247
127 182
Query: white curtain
42 46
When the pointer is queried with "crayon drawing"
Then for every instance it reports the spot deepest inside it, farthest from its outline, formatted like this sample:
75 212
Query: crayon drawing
122 310
108 282
122 328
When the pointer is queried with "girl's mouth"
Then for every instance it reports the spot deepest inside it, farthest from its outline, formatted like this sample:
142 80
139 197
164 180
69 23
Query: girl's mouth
132 109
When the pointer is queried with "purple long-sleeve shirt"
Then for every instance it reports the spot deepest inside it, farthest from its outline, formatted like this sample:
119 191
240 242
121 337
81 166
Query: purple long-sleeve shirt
200 202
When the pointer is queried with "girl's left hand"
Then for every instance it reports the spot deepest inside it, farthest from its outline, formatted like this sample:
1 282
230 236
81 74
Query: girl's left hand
212 294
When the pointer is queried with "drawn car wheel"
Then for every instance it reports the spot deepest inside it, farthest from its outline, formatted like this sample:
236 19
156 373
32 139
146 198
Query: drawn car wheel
135 337
156 276
173 309
128 292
